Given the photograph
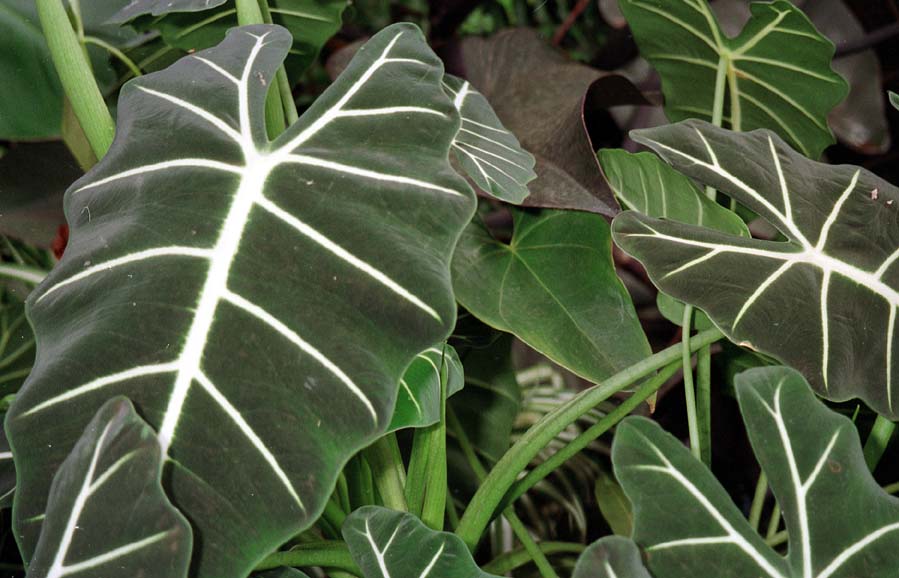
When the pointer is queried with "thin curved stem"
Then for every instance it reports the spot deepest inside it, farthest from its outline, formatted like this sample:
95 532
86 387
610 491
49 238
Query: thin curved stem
330 553
115 52
485 501
689 389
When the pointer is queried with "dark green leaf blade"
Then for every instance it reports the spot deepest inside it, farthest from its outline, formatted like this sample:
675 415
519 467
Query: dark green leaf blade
389 544
611 557
490 155
840 522
831 290
418 401
778 73
107 515
894 100
647 185
581 318
213 254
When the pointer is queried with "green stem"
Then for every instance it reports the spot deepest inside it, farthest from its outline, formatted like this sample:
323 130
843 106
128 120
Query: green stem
388 472
720 85
416 481
515 559
552 463
75 76
334 514
773 522
878 440
689 390
704 403
518 527
24 273
248 12
433 510
758 501
480 510
16 354
332 553
115 52
290 108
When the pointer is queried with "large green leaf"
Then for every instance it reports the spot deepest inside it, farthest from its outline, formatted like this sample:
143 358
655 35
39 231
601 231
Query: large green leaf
646 184
197 24
840 523
777 70
825 299
388 544
581 317
107 515
611 557
258 301
418 402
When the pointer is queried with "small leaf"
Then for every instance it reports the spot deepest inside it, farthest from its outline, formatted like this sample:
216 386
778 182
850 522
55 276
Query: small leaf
825 300
418 401
490 154
614 505
841 524
546 101
388 544
259 301
778 73
647 185
581 318
894 100
611 557
107 515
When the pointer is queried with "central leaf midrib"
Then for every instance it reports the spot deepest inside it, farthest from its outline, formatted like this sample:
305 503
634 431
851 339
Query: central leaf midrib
225 250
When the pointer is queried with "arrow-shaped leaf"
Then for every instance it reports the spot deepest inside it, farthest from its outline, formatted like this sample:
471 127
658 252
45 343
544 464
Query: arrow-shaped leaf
611 557
488 153
107 515
418 401
388 544
825 299
776 72
581 317
258 301
840 523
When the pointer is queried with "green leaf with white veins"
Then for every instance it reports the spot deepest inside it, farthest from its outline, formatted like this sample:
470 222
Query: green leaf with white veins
107 516
258 301
776 72
488 153
611 557
841 524
825 299
418 401
389 544
580 317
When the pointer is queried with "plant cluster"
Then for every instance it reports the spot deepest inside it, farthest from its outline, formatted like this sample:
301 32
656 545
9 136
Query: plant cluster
286 328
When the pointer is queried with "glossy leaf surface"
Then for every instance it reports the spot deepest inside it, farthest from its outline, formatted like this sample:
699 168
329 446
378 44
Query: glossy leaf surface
611 557
389 544
258 301
418 400
490 154
107 516
580 317
777 71
825 300
841 524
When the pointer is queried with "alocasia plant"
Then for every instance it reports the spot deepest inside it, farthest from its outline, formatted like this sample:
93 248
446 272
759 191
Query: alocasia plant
193 314
776 74
107 512
840 523
839 260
